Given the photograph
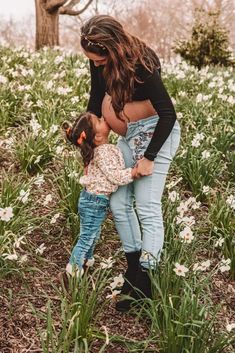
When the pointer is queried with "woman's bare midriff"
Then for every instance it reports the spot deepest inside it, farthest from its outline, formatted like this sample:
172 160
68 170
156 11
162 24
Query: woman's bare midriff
132 111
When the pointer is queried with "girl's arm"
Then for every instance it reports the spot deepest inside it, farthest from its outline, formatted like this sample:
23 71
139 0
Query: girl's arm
110 161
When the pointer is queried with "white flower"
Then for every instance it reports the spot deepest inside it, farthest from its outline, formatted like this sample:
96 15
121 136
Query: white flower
22 88
24 196
187 235
197 139
225 265
74 99
205 189
180 270
3 79
59 59
179 115
117 282
19 241
205 154
230 327
107 263
196 205
173 196
12 257
6 214
113 294
73 174
59 150
202 267
23 259
40 249
231 201
47 200
219 242
64 90
39 103
188 221
37 160
195 143
36 127
53 129
54 218
39 180
86 95
182 208
49 85
231 100
81 71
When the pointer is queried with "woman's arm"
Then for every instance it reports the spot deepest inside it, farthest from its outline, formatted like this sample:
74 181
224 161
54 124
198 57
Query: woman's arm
97 90
162 103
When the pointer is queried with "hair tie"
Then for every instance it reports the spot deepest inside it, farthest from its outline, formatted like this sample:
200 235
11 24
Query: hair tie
81 138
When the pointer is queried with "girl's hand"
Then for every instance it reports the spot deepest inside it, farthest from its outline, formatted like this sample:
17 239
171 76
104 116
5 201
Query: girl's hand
144 167
134 172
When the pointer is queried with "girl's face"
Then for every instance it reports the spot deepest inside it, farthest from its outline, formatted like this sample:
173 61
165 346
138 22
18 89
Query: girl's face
100 126
97 59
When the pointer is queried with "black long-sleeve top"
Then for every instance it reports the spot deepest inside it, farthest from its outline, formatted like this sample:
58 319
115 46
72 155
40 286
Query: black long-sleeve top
152 88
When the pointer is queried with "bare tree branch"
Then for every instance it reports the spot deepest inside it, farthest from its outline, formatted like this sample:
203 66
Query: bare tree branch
54 5
67 10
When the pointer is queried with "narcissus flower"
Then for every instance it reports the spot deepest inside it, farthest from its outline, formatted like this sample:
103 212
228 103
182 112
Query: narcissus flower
180 270
6 214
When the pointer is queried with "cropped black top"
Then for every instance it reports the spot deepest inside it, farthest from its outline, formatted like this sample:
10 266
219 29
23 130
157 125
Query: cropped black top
152 88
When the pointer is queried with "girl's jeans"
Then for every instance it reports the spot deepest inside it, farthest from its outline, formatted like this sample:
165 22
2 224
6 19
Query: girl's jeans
142 226
92 210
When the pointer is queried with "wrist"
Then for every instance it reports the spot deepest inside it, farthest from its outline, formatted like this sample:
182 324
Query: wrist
149 157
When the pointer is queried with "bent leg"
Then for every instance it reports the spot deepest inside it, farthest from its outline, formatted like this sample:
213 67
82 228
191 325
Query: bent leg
122 207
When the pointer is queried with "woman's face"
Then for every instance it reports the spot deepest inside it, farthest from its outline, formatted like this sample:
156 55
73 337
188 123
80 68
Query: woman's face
97 59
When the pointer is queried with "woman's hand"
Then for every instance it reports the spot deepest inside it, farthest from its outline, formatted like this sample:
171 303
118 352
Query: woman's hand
144 167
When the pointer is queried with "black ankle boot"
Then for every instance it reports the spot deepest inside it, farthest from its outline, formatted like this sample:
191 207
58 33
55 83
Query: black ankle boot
143 284
129 279
142 290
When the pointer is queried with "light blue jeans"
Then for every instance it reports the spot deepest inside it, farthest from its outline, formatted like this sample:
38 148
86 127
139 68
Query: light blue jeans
92 210
141 226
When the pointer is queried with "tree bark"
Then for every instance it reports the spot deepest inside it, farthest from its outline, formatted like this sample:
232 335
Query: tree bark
47 23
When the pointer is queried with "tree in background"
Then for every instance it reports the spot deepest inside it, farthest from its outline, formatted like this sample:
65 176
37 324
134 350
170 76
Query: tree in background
47 19
209 42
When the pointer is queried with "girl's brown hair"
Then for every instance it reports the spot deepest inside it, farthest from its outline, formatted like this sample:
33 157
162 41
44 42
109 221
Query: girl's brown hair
82 134
105 36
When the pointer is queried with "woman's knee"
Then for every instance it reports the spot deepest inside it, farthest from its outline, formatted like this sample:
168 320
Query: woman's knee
149 211
122 200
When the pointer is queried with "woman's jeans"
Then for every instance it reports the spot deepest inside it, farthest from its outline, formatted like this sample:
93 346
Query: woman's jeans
92 210
142 226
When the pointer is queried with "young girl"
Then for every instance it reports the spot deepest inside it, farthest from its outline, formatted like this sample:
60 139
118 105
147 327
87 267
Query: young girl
104 172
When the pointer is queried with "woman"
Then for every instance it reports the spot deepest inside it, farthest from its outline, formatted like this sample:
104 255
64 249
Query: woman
126 88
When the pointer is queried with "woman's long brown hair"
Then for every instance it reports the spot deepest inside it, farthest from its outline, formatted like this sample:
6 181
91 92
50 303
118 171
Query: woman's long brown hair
105 36
73 134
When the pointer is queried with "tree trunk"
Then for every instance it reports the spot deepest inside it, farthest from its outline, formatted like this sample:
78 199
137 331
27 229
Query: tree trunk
47 25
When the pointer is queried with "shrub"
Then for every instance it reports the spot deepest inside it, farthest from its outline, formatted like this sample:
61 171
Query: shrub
209 42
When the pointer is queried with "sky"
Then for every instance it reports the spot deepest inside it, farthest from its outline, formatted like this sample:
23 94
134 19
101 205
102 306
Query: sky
16 9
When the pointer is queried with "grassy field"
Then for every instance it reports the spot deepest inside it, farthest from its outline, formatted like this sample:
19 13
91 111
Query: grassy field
193 310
